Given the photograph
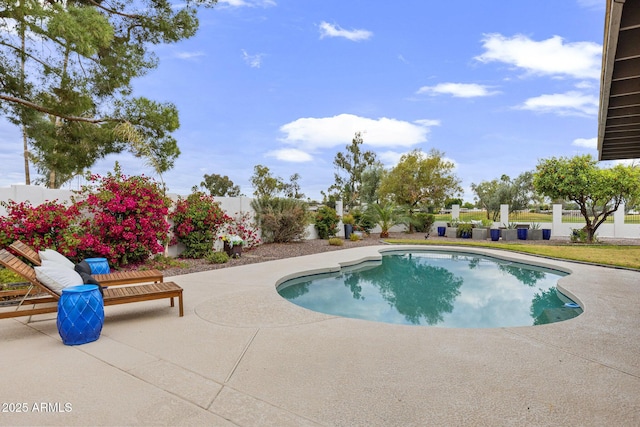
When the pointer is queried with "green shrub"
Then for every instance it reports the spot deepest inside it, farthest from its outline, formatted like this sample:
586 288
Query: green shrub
422 222
579 235
8 276
161 262
217 257
326 222
196 222
464 228
354 237
281 220
335 241
363 221
348 219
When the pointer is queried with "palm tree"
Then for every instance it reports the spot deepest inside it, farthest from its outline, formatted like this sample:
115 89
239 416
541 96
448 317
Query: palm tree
386 215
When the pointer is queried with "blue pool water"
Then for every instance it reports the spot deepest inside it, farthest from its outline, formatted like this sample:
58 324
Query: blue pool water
446 289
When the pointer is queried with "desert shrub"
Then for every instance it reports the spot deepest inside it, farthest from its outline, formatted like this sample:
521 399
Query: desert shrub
326 222
125 218
281 220
161 262
217 257
422 222
363 221
196 221
354 237
335 241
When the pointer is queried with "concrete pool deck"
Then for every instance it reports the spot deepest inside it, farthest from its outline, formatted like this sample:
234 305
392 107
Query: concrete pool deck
243 356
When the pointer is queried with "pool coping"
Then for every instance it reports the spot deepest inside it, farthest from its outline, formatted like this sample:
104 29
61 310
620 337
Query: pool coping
242 355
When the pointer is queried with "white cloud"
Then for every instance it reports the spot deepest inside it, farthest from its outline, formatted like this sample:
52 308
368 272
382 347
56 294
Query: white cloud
458 90
330 30
291 155
571 103
586 143
585 85
254 61
247 3
310 133
553 56
189 55
390 158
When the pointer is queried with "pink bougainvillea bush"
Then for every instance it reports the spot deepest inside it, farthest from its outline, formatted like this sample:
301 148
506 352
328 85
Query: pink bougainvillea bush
126 218
50 225
241 225
197 219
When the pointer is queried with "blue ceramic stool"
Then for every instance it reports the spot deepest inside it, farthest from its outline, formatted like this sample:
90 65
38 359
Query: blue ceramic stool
80 314
98 265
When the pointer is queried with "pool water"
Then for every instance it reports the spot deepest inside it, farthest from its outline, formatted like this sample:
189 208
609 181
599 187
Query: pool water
445 289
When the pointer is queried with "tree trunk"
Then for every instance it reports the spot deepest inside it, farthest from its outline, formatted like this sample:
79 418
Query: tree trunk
27 176
23 60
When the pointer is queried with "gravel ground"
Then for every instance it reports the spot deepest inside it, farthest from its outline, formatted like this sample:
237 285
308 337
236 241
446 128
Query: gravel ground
272 251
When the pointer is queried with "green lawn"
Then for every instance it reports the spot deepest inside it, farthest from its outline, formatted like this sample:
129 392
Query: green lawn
611 255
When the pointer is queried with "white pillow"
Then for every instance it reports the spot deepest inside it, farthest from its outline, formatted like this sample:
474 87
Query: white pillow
56 277
51 255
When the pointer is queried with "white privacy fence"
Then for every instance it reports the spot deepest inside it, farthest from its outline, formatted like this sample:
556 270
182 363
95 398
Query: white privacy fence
37 195
233 205
617 228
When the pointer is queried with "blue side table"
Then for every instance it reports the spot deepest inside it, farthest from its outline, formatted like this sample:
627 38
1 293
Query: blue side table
80 314
98 265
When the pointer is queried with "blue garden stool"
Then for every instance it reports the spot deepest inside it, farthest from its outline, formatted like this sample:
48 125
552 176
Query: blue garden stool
98 265
80 314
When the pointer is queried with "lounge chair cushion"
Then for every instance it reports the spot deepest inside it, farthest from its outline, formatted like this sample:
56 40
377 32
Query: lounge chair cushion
57 277
52 255
83 267
90 280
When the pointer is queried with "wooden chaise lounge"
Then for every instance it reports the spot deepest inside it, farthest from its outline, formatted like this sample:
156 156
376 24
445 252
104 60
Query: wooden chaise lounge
112 296
111 279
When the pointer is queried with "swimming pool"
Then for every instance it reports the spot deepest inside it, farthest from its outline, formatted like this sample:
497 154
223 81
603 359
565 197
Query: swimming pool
437 288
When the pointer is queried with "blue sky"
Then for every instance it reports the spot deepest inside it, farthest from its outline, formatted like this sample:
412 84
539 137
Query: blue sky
495 85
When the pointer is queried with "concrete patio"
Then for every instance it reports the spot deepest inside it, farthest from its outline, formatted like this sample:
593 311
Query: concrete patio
243 356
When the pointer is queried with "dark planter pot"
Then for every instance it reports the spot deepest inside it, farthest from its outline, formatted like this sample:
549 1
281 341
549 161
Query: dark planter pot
465 235
348 230
522 233
441 231
233 252
495 234
546 233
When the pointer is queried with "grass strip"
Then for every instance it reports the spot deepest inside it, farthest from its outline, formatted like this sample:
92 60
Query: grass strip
602 254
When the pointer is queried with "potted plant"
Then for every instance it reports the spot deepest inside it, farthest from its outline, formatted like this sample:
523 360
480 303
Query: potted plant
535 232
481 231
452 228
509 232
348 220
232 245
465 229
